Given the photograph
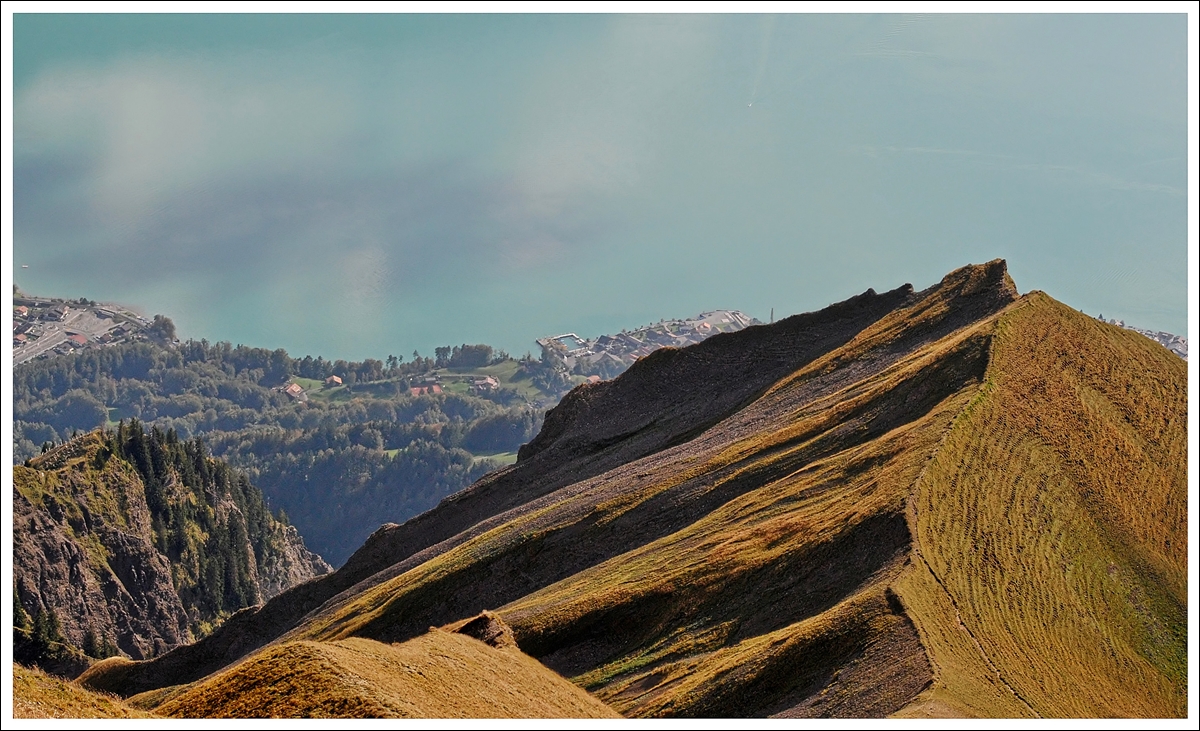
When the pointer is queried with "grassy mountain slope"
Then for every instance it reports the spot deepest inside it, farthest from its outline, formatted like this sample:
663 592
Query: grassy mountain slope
574 454
1051 527
778 528
964 504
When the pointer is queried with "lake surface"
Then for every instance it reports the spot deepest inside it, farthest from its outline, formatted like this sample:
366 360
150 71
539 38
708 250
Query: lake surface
357 186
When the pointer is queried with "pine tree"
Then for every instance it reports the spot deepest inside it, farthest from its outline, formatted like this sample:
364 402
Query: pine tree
91 645
20 616
46 628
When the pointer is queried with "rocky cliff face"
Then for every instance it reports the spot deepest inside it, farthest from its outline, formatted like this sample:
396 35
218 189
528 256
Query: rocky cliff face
290 565
108 566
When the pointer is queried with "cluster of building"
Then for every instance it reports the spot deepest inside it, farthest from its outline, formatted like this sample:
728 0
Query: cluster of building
432 384
621 350
46 327
428 384
1173 343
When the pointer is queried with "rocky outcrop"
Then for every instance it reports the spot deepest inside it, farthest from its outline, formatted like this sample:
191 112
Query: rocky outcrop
489 629
91 559
83 550
288 566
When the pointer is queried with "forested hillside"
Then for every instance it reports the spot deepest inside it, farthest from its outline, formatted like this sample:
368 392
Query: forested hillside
339 462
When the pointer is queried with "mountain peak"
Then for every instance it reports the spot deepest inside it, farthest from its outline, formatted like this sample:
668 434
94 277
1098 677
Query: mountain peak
976 278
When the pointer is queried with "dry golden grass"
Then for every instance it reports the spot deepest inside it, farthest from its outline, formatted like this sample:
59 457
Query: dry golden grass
792 435
683 665
38 695
965 686
1051 528
964 511
437 675
152 699
677 589
826 473
107 675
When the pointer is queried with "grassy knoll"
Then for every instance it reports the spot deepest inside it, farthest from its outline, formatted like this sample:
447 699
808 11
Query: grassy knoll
308 384
38 695
317 391
438 675
501 458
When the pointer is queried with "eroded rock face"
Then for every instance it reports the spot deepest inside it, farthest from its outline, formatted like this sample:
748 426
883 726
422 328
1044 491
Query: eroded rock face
290 565
88 551
95 578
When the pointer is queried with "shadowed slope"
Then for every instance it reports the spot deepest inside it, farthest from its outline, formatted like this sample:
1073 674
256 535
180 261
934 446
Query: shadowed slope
739 366
754 608
652 406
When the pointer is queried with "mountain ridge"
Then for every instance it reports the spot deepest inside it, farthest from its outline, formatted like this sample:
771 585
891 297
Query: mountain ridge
236 636
812 545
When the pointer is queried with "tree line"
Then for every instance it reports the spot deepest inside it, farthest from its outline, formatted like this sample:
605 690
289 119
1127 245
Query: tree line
400 453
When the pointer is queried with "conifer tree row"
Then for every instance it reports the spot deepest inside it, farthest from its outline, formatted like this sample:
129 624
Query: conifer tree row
186 487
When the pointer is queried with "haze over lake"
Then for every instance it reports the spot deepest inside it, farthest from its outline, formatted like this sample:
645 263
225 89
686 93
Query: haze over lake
359 185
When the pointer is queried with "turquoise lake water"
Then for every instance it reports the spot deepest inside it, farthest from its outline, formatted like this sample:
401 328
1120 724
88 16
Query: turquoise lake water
355 186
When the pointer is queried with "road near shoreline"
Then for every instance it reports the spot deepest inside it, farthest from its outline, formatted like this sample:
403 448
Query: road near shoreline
80 320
